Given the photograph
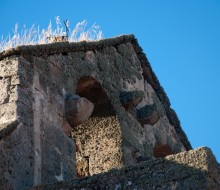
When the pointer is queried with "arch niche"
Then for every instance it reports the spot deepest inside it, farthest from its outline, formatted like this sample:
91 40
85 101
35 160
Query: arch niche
98 140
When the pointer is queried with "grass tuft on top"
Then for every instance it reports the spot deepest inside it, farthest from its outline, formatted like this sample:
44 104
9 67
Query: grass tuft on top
62 32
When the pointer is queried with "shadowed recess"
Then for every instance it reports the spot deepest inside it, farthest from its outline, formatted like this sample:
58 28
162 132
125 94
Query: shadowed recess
92 90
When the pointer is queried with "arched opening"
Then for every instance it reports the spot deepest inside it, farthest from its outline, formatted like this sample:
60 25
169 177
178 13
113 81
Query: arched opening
92 90
162 150
98 140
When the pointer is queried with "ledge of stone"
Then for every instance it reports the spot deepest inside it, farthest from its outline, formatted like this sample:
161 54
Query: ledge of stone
63 47
194 169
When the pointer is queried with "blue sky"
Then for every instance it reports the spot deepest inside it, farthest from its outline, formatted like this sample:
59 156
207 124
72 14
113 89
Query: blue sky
180 38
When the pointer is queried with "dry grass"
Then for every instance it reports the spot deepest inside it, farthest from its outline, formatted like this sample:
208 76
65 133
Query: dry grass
34 35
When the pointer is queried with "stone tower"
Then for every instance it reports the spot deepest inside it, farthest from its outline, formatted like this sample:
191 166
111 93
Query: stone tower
68 110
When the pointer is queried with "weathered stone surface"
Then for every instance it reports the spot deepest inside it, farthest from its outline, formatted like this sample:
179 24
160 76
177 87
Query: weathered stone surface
4 86
130 99
77 110
195 169
66 128
162 133
36 80
148 115
8 112
8 96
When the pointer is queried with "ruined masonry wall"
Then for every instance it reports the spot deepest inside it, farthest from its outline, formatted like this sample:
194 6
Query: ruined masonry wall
36 79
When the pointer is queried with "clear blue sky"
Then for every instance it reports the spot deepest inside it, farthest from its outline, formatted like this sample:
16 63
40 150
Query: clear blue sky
181 39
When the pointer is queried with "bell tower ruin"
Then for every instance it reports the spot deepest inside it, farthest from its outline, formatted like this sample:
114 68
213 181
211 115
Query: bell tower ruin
69 110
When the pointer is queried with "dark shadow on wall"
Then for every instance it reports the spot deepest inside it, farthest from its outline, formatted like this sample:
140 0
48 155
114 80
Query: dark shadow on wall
92 90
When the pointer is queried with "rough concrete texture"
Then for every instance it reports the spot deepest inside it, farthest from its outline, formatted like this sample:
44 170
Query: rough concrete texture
196 169
98 141
34 124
